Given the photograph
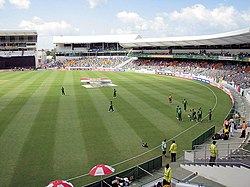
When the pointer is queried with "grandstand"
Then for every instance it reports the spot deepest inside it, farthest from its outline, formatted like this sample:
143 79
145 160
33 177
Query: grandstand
225 46
219 56
78 46
18 49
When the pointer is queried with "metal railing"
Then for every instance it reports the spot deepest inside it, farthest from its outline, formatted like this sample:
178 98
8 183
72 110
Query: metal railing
226 153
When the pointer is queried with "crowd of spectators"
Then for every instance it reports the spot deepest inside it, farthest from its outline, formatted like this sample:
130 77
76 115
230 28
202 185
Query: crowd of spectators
92 61
232 72
204 52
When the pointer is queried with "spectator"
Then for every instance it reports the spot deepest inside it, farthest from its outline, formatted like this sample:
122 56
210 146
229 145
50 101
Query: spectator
243 132
173 151
167 175
213 153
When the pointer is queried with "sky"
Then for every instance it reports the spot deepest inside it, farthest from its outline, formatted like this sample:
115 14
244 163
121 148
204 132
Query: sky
148 18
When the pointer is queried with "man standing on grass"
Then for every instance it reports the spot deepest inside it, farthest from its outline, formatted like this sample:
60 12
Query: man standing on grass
177 109
179 114
170 99
111 107
193 116
63 92
173 151
199 113
185 105
164 147
210 114
114 94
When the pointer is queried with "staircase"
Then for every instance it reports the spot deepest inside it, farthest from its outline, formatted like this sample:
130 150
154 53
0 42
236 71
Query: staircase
125 62
232 168
229 176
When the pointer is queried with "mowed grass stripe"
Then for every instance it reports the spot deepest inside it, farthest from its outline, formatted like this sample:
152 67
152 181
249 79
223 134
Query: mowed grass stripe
196 99
92 128
149 92
9 77
70 155
154 92
159 111
35 164
174 85
137 113
119 130
13 101
13 138
191 91
166 125
12 85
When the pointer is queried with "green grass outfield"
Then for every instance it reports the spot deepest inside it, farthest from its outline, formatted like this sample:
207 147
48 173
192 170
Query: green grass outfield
45 136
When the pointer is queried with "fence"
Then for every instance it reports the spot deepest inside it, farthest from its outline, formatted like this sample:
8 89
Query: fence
203 137
133 173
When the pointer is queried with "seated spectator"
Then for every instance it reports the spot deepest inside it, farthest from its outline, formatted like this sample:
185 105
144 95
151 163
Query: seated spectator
159 184
118 182
225 134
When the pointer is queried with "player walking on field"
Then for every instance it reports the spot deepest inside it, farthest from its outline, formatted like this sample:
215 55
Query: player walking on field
63 92
111 107
114 94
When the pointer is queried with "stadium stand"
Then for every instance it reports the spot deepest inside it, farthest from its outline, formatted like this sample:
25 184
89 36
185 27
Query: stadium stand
220 56
18 49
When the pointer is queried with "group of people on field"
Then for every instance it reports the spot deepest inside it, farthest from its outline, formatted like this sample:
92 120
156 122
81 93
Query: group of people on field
194 116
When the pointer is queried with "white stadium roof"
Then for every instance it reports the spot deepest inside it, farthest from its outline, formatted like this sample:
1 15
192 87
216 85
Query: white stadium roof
17 32
94 39
135 40
235 37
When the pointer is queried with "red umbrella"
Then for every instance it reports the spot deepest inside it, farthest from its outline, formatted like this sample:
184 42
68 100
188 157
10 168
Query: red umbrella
101 169
60 183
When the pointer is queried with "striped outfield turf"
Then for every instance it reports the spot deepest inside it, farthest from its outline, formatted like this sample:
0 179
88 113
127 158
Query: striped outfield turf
45 136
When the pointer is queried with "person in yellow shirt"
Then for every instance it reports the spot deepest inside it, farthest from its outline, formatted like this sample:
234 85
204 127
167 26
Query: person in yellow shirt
168 172
213 153
173 151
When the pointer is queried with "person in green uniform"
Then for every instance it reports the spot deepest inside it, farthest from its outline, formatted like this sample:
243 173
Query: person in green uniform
179 114
199 113
177 108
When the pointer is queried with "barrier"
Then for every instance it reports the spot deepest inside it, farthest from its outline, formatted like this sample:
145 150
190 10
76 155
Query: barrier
133 173
203 137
